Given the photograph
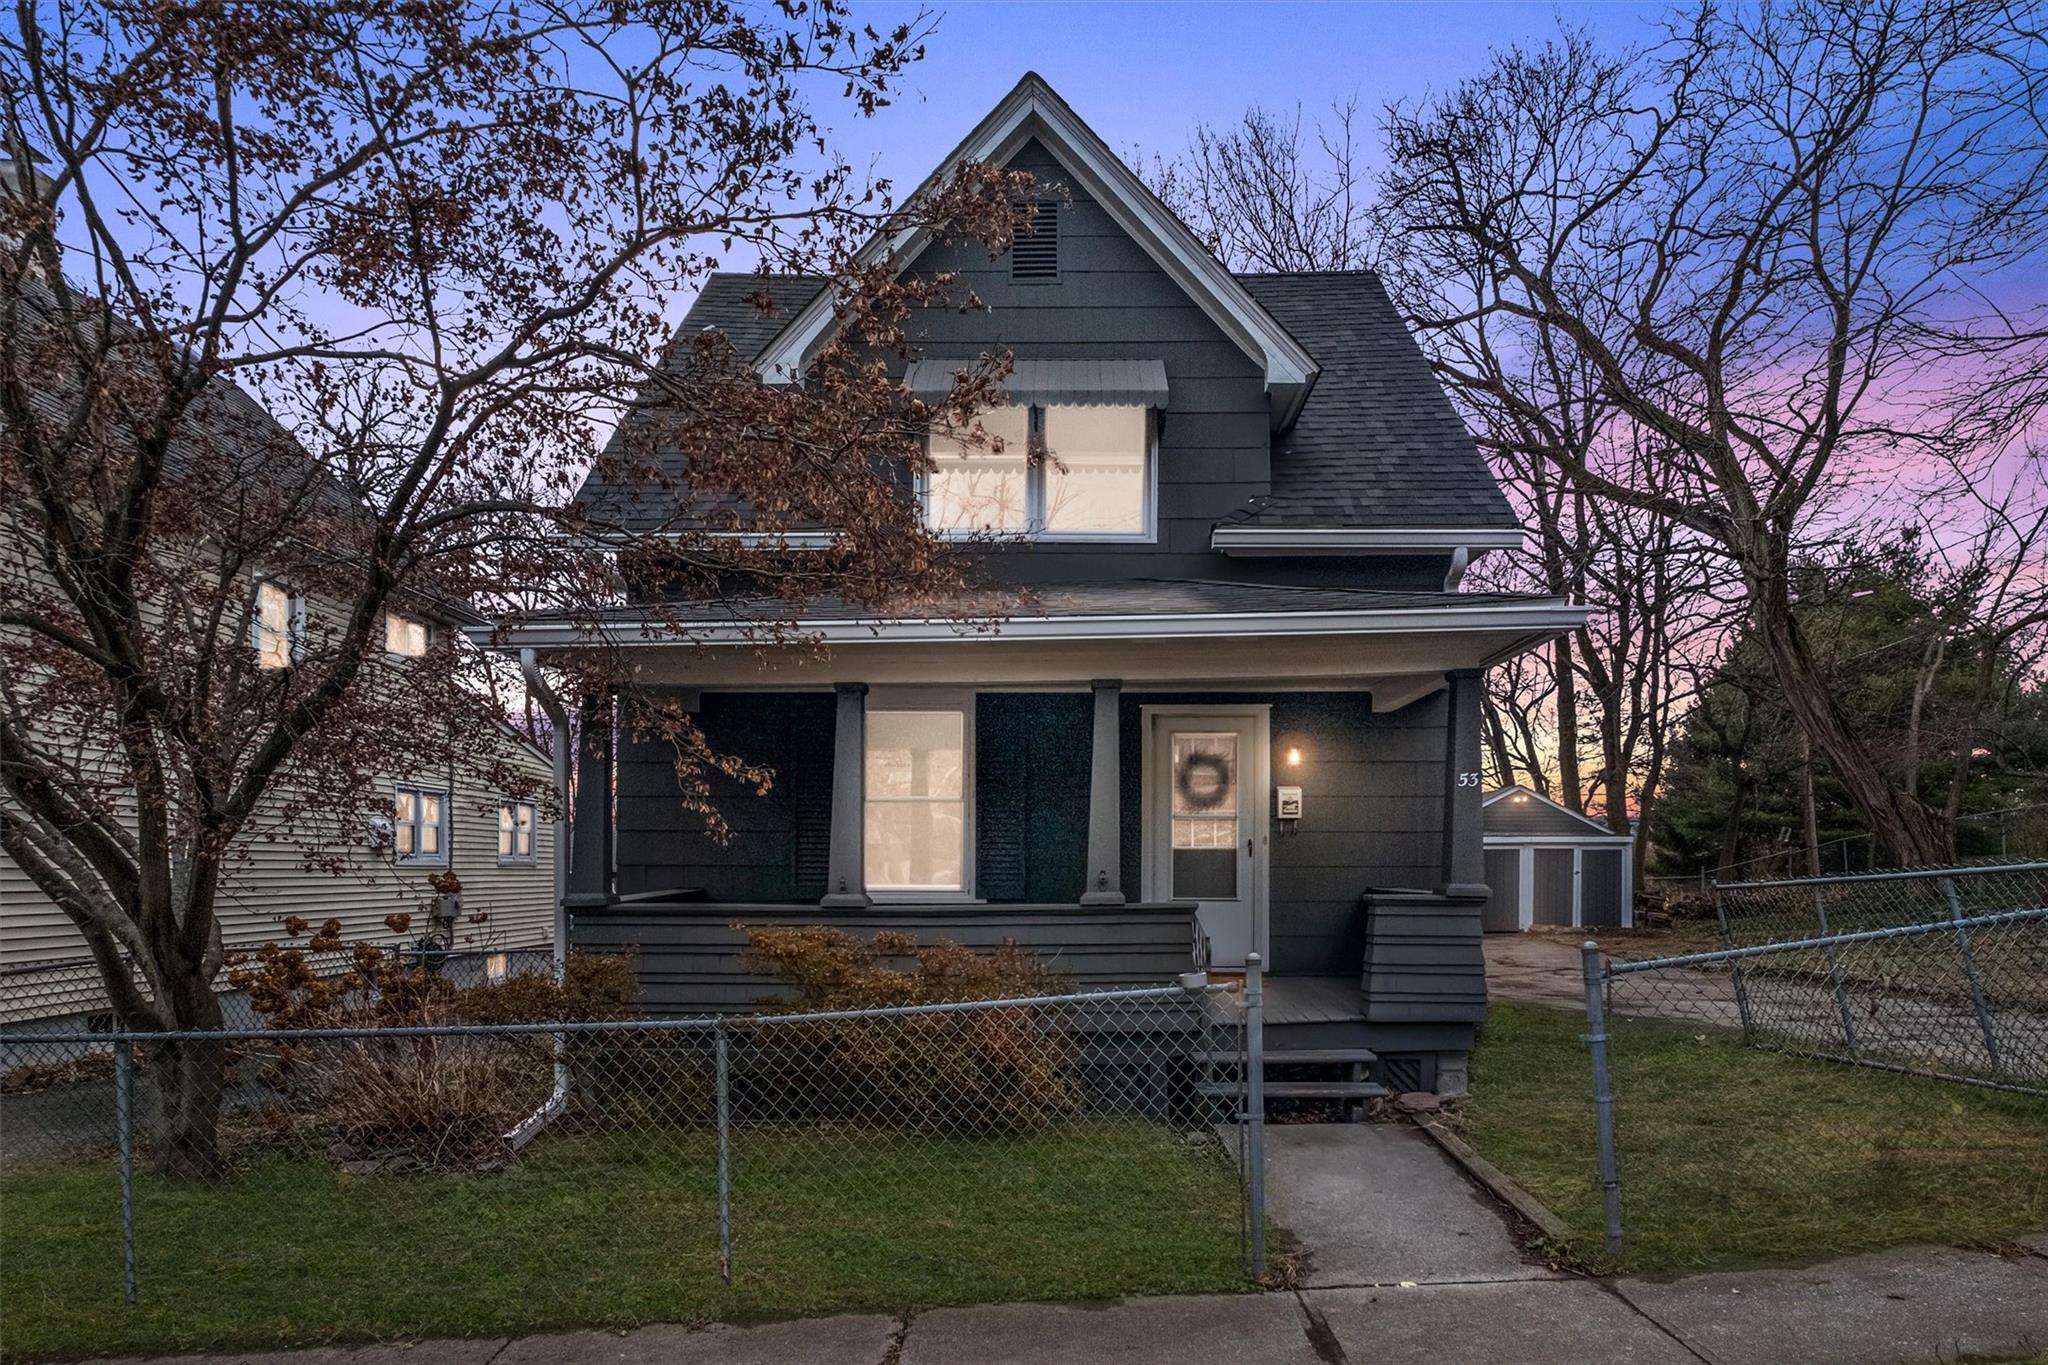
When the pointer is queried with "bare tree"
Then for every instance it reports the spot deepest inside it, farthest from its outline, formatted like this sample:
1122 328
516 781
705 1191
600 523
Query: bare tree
328 295
1266 195
1770 242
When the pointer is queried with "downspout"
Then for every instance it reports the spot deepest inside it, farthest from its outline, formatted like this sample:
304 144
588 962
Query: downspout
530 1127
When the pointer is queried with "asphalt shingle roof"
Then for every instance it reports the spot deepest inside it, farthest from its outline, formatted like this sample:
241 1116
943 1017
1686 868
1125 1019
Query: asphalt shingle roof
1376 445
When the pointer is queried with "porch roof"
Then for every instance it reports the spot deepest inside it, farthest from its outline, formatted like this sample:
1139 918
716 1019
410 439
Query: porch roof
1173 606
1194 632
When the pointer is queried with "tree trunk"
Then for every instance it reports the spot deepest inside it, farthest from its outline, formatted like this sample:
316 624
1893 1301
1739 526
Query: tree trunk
189 1078
1568 782
1904 827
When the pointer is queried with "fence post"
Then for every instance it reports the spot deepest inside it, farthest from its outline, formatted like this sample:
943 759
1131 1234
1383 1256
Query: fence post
1603 1089
124 1120
1969 957
1734 970
724 1105
1255 1102
1820 915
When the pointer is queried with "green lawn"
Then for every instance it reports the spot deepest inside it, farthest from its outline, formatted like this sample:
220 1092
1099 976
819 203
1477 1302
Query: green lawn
614 1231
1730 1156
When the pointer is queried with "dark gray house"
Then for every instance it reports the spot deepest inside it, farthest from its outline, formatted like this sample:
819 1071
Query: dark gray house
1241 713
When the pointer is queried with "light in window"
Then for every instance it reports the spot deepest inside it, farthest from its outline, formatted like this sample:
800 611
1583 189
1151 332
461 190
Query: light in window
916 808
420 825
982 485
1095 480
277 620
404 636
515 830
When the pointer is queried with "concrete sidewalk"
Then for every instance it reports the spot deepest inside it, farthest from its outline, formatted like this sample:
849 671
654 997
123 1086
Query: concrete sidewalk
1921 1304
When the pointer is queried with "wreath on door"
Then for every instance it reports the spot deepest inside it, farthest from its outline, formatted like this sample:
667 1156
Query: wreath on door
1207 795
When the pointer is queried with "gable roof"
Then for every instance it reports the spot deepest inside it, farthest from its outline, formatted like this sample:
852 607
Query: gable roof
1033 109
1518 813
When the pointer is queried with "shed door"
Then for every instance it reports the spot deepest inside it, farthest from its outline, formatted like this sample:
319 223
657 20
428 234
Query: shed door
1600 888
1554 885
1504 882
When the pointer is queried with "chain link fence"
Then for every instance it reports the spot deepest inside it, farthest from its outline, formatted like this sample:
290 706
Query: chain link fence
613 1171
1921 977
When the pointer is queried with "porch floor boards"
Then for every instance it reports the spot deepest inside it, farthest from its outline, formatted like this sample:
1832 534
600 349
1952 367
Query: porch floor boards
1313 1000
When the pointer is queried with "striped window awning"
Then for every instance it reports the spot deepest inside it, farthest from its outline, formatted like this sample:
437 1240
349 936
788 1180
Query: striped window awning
1063 383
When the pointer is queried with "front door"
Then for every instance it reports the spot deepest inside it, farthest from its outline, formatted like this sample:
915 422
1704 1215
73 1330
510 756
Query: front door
1205 820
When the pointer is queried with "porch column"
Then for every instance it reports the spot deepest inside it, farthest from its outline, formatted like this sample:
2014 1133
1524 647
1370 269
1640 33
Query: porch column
590 828
1104 882
846 880
1463 869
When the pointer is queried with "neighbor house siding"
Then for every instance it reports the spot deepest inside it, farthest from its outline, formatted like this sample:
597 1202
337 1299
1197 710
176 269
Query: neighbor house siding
270 881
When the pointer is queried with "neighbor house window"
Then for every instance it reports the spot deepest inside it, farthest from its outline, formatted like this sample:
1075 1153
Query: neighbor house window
515 832
420 825
279 625
916 808
1093 476
405 637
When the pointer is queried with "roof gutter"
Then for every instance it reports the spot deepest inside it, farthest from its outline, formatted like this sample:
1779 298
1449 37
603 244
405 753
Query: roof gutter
1255 541
1547 615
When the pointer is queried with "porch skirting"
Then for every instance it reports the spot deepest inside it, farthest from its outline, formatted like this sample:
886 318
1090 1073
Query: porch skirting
689 952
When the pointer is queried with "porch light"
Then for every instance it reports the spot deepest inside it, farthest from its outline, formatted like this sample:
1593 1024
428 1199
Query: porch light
1294 758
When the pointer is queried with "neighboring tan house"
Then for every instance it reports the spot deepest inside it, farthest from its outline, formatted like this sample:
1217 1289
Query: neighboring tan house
1241 713
441 821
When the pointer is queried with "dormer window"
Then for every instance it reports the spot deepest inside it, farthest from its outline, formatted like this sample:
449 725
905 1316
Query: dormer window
1093 479
405 637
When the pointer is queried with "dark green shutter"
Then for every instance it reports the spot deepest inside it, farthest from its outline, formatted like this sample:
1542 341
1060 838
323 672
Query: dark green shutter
1001 786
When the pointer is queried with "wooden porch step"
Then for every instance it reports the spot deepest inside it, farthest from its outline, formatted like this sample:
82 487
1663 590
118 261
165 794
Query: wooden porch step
1303 1090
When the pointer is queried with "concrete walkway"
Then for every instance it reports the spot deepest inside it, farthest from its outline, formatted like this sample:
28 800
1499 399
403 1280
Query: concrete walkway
1405 1260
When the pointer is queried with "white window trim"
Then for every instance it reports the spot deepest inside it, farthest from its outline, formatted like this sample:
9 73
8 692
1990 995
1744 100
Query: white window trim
532 854
447 824
927 699
1034 531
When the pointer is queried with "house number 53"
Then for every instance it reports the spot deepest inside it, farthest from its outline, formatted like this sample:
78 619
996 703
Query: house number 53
1468 779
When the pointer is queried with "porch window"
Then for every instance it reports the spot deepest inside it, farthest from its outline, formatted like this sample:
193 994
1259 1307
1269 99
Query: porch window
916 807
1092 477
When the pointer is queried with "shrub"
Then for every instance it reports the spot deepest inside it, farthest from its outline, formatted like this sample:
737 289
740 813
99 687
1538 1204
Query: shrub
429 1101
995 1068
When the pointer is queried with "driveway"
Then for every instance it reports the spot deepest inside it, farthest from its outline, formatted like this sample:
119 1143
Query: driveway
1915 1030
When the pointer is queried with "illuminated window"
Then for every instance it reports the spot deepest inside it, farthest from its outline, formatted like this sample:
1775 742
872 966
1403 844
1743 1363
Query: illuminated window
278 627
1093 477
405 637
916 807
420 826
515 832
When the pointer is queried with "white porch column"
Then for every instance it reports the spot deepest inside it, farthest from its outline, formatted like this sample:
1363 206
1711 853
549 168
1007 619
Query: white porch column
1104 882
846 878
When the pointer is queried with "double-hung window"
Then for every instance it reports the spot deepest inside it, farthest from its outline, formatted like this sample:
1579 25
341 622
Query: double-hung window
515 832
405 637
277 626
916 805
419 826
1091 476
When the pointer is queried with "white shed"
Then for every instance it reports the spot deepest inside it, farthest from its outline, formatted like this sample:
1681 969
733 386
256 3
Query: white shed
1546 864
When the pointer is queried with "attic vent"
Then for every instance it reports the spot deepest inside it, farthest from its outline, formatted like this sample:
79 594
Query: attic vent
1036 256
